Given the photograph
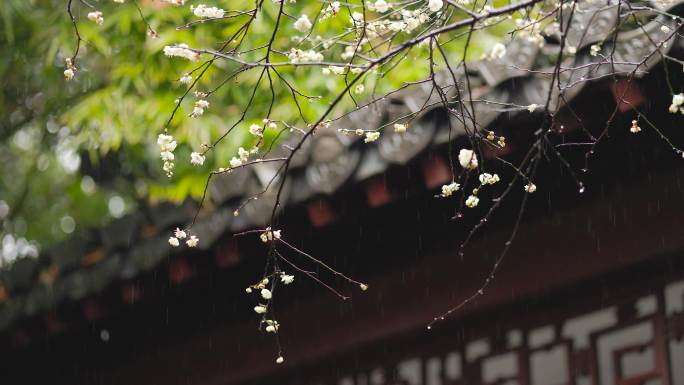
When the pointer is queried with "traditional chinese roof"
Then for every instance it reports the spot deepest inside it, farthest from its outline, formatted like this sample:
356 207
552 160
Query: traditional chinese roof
330 161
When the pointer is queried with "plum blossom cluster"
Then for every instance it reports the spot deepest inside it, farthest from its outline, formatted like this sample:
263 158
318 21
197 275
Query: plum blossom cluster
198 109
70 70
206 12
677 101
166 147
467 159
181 50
96 16
179 235
264 289
485 179
303 24
498 51
197 159
269 235
408 22
242 158
331 10
257 130
500 140
371 136
449 189
297 55
185 79
531 31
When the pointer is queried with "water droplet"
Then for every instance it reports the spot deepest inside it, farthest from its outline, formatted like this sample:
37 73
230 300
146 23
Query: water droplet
581 189
585 169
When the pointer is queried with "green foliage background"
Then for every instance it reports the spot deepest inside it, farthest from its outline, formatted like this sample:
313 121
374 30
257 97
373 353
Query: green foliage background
124 91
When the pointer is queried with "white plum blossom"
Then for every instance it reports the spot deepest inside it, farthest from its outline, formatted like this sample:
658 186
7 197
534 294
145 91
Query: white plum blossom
181 50
173 241
498 51
296 55
677 101
271 124
398 127
397 26
185 79
435 5
472 201
486 178
359 89
303 24
192 241
337 70
69 73
635 129
269 235
372 136
198 110
260 309
411 23
287 279
356 18
207 12
180 234
594 50
243 154
272 326
449 189
166 147
256 130
467 159
532 107
197 159
349 52
530 187
235 162
266 294
331 10
381 6
280 360
175 2
96 16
